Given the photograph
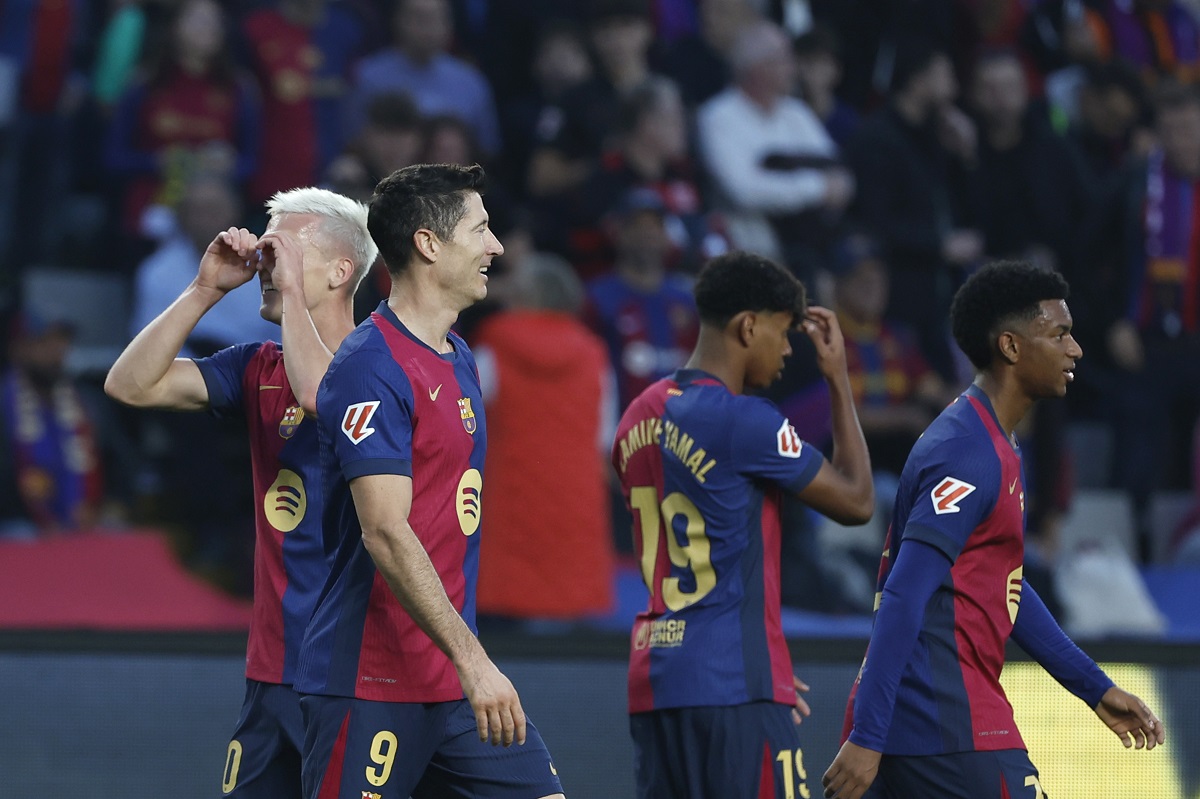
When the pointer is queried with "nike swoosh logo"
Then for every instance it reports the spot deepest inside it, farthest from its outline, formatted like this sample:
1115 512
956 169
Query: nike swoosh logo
264 388
433 392
1013 487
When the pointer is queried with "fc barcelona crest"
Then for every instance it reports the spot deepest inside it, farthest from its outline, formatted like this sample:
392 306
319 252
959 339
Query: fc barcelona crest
468 415
292 418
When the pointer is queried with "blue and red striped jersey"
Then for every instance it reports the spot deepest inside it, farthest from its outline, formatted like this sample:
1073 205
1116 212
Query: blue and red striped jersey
962 493
290 565
390 404
702 470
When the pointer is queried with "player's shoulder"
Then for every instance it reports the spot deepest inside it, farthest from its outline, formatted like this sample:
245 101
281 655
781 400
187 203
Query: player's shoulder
364 351
957 441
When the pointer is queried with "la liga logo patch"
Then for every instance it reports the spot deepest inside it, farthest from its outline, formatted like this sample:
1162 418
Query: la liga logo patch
356 423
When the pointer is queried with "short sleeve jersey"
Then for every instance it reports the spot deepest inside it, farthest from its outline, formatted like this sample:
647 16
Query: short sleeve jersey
962 493
290 565
391 405
703 470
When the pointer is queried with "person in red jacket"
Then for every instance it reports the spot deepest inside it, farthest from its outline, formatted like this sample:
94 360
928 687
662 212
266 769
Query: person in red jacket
548 393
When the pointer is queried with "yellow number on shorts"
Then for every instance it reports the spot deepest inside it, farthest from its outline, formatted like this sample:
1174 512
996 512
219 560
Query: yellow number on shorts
383 752
695 554
794 774
1032 780
233 761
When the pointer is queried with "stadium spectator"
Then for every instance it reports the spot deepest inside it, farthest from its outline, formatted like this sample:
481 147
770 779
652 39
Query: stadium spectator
548 503
1143 304
650 152
51 475
699 63
910 161
536 116
302 52
393 138
895 390
420 65
206 203
774 168
1111 125
191 112
819 72
1160 37
621 34
43 49
644 313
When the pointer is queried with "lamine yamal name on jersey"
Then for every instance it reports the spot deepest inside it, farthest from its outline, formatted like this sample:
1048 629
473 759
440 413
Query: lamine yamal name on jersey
678 443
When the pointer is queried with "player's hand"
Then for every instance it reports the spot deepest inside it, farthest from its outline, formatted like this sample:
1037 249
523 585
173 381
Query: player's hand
1133 722
851 773
283 261
498 713
229 261
801 711
821 326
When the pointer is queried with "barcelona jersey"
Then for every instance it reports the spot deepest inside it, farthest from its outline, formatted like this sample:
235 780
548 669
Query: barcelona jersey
390 404
290 566
962 493
703 471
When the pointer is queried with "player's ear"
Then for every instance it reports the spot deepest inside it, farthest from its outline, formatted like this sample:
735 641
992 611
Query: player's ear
1010 349
427 244
742 325
343 272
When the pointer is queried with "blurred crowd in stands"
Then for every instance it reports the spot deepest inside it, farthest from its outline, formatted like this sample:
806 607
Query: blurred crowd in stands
881 149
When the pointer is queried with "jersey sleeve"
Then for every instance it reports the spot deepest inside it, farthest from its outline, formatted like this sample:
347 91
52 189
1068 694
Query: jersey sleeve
365 403
957 487
223 372
766 446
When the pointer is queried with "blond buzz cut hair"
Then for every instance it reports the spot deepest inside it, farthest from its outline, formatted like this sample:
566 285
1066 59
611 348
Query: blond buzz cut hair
343 225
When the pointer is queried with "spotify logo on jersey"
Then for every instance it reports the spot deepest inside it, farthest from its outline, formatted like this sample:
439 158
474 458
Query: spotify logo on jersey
467 501
285 502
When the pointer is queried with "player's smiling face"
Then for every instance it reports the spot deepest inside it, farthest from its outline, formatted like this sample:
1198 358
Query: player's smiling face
1049 351
769 347
464 260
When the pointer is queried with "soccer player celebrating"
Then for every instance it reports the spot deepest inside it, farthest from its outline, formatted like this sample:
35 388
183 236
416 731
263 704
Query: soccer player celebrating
927 716
712 696
392 648
314 253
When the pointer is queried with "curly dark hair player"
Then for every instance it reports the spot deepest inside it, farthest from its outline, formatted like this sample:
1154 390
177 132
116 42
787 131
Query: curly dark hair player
935 722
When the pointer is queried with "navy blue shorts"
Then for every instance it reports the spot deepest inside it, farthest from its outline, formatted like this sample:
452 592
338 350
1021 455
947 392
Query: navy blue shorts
263 759
1003 774
391 750
747 751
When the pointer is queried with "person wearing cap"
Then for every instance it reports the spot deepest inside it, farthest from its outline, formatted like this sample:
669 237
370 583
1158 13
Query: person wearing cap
50 472
645 314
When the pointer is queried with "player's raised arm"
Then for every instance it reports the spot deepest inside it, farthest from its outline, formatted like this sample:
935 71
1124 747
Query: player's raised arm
307 355
148 373
383 502
843 489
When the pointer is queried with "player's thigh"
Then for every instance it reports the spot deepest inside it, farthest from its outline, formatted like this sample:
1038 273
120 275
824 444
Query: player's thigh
748 750
263 756
353 747
1004 774
464 766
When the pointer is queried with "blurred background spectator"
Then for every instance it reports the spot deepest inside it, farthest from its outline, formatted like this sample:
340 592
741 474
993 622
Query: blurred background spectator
545 378
635 139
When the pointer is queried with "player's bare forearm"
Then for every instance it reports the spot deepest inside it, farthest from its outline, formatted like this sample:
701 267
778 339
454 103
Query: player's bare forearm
306 358
383 503
850 456
148 373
